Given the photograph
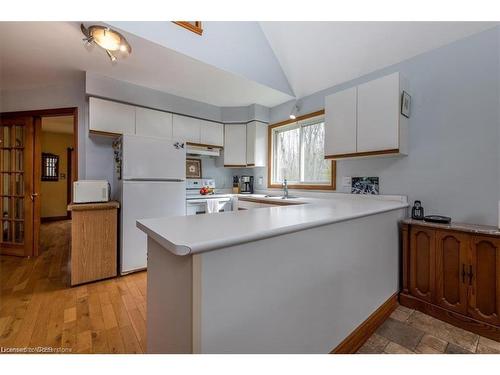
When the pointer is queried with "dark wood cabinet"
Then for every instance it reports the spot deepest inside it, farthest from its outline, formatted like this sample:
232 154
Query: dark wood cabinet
484 297
422 264
453 273
451 270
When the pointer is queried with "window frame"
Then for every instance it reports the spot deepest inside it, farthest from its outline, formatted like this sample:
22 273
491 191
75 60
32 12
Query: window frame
271 161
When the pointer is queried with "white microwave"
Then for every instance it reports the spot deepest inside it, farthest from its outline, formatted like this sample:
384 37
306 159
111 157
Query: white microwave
91 191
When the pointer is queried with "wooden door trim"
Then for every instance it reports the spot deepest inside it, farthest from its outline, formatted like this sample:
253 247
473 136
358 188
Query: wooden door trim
39 114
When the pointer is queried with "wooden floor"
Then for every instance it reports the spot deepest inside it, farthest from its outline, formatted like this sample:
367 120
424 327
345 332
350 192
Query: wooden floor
39 309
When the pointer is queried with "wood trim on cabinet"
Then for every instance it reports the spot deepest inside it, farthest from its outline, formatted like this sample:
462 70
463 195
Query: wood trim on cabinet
358 337
405 238
235 165
107 134
270 128
196 28
299 118
366 153
454 318
203 145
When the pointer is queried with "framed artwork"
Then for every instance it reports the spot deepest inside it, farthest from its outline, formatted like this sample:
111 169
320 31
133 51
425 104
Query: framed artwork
193 168
194 26
364 185
405 104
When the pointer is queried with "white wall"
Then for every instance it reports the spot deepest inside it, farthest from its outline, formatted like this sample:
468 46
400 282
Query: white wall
72 94
453 164
237 47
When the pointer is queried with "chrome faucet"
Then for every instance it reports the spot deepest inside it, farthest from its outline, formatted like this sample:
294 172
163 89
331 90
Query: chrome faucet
285 188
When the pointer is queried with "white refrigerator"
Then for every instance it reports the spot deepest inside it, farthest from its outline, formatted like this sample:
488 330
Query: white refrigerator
151 183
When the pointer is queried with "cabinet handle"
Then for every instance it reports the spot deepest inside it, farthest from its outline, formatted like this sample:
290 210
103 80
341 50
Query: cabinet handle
471 275
463 273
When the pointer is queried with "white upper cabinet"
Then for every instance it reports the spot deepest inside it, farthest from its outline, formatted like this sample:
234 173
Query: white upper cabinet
235 145
366 120
110 117
186 129
340 122
378 114
256 139
211 133
153 123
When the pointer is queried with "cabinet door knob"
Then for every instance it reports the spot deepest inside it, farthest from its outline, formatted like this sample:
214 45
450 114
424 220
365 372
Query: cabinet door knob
463 273
471 275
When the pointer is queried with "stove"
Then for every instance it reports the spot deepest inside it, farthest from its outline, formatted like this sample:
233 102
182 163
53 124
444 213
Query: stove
196 203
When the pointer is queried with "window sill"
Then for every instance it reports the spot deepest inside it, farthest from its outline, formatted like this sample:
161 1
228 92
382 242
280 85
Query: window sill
303 187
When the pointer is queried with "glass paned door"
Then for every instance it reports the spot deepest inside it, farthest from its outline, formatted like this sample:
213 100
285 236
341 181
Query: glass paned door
16 176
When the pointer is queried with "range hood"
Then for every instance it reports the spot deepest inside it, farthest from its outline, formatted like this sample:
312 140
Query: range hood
202 150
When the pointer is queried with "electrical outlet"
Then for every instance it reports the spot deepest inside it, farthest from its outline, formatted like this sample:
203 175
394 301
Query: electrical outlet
261 180
346 181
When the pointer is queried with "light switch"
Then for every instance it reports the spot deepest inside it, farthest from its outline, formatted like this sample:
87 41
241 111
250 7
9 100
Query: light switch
346 181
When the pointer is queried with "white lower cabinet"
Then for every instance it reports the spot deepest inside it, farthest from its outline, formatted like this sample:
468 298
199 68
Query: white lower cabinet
108 117
235 145
153 123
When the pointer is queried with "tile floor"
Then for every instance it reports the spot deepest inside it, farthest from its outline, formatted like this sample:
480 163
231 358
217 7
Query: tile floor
410 332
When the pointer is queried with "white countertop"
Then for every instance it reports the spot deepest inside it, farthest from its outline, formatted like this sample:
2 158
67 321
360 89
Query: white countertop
183 235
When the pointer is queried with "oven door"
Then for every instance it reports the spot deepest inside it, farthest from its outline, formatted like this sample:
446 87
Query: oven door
196 207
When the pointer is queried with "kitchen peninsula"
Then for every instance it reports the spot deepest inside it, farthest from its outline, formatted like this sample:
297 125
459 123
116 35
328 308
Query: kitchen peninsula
284 279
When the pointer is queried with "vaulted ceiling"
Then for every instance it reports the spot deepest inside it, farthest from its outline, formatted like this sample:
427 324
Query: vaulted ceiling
318 55
231 64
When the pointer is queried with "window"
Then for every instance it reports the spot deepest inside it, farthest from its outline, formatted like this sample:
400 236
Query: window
194 26
50 167
297 154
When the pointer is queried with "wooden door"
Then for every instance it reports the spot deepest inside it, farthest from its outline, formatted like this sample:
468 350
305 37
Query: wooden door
484 279
16 186
451 270
422 262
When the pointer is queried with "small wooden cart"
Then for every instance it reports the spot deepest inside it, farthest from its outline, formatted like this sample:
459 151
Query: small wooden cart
94 241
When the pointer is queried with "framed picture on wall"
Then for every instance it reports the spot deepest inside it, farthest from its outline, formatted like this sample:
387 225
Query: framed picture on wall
193 168
405 104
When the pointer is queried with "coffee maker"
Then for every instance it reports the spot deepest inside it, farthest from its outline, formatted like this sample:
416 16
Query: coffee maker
246 185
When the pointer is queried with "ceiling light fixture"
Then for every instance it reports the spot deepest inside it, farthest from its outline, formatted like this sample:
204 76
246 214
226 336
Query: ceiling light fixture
295 111
110 40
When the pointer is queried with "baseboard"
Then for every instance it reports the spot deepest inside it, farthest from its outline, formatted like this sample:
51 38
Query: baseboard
456 319
54 218
358 337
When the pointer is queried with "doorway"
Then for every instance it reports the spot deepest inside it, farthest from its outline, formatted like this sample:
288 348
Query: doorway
21 172
56 167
